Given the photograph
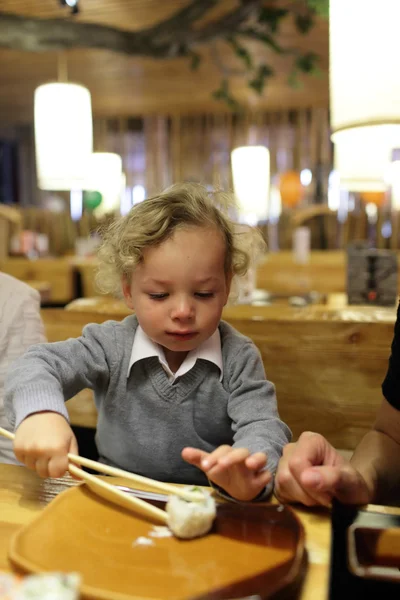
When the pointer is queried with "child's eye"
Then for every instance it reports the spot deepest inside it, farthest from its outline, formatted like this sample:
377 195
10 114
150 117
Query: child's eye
204 294
157 296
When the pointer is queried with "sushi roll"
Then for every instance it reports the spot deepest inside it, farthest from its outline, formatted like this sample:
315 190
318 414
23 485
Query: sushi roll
191 519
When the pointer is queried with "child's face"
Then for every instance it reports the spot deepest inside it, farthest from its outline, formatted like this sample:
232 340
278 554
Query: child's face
179 290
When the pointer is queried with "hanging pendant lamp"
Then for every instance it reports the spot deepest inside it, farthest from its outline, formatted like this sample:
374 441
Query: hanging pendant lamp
104 174
63 133
364 90
251 174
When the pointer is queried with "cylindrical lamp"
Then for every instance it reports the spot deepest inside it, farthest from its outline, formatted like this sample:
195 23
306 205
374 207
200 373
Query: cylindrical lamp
362 156
63 135
250 172
364 89
104 174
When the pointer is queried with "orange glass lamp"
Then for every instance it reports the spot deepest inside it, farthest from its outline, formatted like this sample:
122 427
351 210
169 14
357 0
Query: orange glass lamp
290 188
376 198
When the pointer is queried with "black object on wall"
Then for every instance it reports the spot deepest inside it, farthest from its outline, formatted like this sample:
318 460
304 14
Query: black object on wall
9 193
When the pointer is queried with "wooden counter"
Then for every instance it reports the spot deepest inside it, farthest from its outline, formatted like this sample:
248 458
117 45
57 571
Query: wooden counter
58 273
325 273
277 273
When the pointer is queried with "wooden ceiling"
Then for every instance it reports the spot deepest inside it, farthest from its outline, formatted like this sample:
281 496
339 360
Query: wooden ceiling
126 86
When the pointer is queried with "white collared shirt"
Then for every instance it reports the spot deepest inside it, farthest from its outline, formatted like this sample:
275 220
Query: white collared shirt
144 347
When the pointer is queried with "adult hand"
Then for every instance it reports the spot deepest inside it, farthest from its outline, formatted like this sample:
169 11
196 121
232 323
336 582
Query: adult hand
43 441
312 472
241 474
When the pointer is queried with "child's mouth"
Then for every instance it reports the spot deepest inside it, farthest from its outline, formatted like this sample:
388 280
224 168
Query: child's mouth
182 335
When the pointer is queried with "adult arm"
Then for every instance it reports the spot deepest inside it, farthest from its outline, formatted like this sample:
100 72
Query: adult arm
313 472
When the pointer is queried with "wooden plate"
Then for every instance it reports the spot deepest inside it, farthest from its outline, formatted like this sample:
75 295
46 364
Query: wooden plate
253 550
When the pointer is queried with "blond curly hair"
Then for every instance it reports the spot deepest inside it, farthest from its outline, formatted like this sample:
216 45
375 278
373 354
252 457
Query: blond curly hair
155 220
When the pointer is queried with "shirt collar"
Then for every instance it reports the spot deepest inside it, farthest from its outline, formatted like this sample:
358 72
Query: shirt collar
143 347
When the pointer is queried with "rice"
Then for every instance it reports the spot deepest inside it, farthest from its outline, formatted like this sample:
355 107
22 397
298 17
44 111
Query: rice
191 519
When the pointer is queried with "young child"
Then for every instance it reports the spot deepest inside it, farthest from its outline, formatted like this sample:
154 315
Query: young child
181 395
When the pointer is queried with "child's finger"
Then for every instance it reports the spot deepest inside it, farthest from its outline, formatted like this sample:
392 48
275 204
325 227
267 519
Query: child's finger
194 456
234 457
256 461
58 466
30 461
73 447
258 483
262 479
211 460
42 466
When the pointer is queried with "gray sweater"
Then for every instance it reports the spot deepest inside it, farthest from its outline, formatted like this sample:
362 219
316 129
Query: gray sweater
144 421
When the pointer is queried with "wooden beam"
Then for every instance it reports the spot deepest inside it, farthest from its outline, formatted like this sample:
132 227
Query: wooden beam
168 39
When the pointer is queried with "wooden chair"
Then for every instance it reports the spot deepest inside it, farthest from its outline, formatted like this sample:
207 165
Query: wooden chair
10 224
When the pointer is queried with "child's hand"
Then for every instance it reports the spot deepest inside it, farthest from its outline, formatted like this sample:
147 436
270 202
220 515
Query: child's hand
234 469
42 442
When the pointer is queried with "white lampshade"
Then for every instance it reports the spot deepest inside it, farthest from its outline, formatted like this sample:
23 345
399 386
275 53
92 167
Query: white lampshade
104 174
251 174
364 89
63 135
362 156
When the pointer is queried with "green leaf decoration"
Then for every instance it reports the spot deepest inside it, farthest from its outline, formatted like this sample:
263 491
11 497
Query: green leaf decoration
304 23
272 17
307 63
259 82
293 79
223 94
265 38
241 52
195 60
320 7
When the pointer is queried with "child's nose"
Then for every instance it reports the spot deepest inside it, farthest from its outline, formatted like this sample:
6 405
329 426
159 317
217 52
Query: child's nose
183 309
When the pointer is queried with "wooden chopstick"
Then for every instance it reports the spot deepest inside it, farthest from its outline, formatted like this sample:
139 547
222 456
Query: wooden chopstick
160 485
113 494
6 434
107 470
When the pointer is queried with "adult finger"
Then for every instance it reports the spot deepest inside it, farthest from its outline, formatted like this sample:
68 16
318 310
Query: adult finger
344 483
288 489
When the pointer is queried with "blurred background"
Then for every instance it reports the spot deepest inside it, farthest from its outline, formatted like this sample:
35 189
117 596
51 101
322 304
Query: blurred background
169 105
292 105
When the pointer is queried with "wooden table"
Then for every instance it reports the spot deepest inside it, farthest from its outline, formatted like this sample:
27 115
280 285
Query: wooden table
23 495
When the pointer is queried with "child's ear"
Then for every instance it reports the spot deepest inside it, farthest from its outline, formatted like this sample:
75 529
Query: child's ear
126 290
